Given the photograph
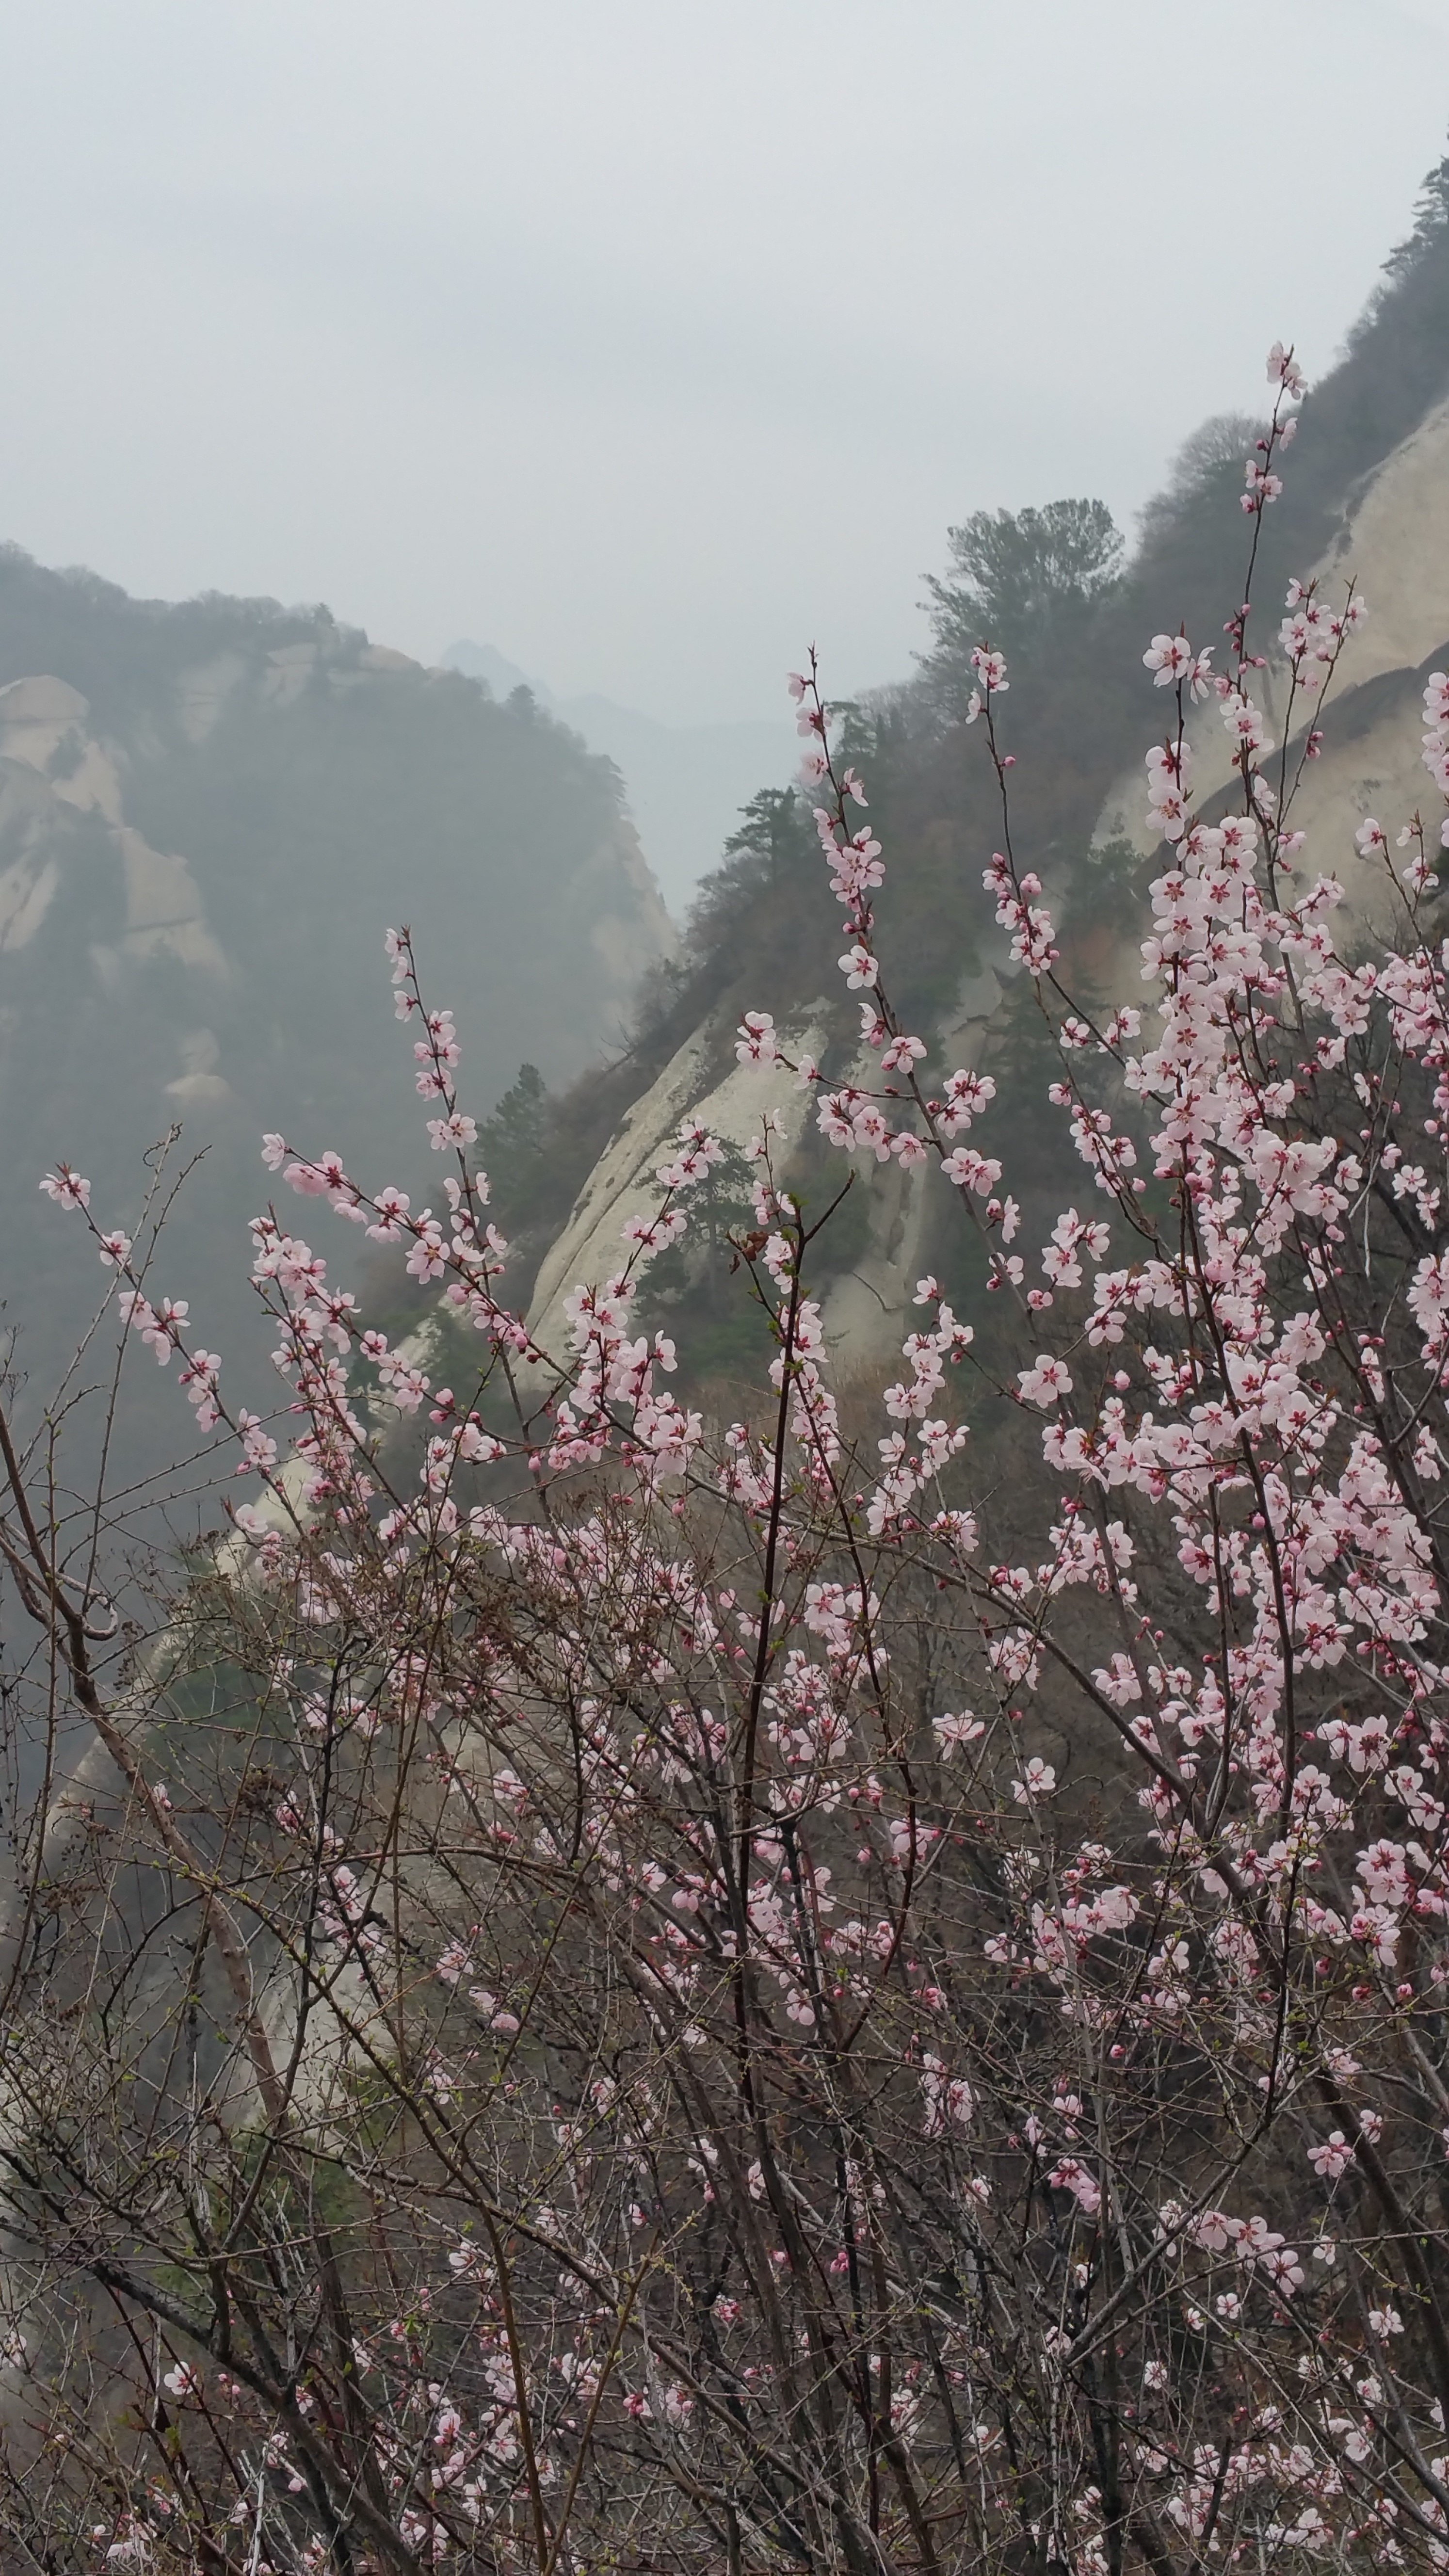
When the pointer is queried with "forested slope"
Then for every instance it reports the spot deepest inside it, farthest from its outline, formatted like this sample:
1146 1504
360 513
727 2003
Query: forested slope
209 814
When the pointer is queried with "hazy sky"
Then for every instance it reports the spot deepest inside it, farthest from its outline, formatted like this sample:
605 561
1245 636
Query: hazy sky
648 339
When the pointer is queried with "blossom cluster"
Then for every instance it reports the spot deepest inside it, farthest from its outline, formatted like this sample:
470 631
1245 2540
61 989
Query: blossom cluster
860 1993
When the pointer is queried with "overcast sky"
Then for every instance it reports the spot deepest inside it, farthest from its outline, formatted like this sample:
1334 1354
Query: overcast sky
647 339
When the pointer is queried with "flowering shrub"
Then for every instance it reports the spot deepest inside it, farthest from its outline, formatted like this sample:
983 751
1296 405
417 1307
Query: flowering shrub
723 2023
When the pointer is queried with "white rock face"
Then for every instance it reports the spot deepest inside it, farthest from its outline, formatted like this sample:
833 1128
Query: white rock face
164 913
35 717
385 657
199 1083
622 1183
1394 543
42 733
624 944
202 693
864 1312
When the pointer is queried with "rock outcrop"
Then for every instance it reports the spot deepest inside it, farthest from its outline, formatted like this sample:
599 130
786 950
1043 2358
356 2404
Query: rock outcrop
698 1081
1393 544
1391 538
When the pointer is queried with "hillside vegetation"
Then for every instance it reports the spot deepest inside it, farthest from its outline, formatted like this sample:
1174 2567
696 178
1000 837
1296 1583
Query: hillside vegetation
209 813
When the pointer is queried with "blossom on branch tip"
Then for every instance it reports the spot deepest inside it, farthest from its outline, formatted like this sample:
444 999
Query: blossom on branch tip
1284 370
392 1208
259 1450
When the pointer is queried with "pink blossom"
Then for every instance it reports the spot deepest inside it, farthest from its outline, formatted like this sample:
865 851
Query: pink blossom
1169 658
968 1170
1045 1383
757 1040
1073 2176
1038 1781
1333 2157
392 1207
952 1732
456 1129
1284 370
1263 486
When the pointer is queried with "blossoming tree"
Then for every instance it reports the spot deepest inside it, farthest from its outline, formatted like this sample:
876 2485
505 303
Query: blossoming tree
713 2021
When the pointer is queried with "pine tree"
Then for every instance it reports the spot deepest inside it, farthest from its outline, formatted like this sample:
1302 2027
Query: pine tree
1431 223
1022 581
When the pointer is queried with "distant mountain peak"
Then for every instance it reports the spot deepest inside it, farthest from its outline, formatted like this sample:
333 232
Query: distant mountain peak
485 662
686 785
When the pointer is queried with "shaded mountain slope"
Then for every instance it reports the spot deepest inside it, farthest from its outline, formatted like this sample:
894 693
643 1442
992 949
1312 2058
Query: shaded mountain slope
208 816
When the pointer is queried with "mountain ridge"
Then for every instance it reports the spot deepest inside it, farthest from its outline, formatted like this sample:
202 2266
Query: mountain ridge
209 813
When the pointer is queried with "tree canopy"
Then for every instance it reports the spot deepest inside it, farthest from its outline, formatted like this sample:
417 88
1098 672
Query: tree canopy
1431 223
1020 580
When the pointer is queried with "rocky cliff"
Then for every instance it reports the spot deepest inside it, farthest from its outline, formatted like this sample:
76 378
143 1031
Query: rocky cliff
208 815
1368 498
